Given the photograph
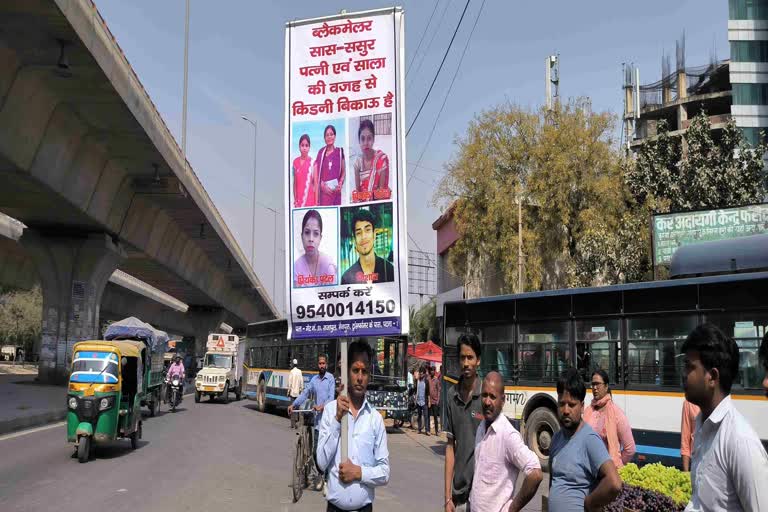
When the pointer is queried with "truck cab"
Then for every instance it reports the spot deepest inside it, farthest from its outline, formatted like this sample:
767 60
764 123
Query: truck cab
222 371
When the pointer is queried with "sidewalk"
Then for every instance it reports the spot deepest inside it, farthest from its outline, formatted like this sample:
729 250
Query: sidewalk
27 404
436 444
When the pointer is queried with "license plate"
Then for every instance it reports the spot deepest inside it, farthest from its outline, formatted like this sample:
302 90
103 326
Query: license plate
209 388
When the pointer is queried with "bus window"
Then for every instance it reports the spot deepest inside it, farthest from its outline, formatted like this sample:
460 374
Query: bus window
597 346
543 351
748 329
653 348
283 361
497 350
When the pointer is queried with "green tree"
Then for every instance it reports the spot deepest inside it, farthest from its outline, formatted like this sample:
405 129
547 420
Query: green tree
21 317
423 323
698 170
566 169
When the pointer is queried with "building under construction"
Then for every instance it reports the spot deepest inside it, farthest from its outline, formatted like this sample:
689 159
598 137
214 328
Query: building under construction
676 98
736 87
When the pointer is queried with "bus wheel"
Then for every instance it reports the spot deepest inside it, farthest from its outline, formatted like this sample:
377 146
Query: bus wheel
261 395
539 430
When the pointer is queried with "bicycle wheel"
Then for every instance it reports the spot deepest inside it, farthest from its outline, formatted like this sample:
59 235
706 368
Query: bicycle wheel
309 459
297 482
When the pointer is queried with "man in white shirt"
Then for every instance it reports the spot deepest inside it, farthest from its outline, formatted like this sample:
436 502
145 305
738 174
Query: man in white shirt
729 466
295 384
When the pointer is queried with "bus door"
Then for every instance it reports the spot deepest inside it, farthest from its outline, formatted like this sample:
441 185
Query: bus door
598 346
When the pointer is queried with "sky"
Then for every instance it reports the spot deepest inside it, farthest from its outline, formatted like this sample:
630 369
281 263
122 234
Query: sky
236 64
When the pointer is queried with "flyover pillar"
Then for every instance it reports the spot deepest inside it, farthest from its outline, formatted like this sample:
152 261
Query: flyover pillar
73 271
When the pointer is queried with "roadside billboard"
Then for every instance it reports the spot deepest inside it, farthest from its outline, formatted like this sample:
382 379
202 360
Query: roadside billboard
673 230
344 168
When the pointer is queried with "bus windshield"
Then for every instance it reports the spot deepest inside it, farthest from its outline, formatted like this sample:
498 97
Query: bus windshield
218 361
389 359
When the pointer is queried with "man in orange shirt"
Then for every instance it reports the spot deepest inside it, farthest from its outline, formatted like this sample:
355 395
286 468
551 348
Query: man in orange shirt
687 427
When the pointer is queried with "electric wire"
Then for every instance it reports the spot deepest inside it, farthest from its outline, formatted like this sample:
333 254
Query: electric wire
437 74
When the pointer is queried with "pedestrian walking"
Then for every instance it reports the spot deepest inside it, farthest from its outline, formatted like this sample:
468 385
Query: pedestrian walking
435 387
322 387
295 385
295 381
352 482
609 421
500 456
463 416
422 394
729 466
687 426
582 474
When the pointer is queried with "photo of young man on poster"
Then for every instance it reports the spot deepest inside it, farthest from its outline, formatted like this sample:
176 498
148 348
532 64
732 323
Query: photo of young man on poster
364 223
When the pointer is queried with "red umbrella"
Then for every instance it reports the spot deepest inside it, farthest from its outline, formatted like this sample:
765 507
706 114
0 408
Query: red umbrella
426 351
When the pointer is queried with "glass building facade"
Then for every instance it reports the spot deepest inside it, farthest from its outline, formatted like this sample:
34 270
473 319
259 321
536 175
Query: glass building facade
748 38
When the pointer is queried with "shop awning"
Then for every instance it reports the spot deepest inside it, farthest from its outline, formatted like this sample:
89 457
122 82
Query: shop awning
426 351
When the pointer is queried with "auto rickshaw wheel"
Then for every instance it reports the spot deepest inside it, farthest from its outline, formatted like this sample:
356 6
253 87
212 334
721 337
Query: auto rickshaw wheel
84 449
152 407
197 397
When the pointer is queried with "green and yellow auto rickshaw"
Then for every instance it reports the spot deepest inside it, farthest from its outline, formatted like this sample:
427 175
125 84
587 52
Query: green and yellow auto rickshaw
105 393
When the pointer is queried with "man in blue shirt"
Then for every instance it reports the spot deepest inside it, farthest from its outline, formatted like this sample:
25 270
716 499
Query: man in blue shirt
322 386
582 474
351 482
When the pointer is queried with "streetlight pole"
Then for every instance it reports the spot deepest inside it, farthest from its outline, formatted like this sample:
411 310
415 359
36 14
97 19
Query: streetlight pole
253 204
186 80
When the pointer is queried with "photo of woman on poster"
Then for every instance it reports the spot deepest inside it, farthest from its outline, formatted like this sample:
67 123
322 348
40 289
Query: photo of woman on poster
313 268
371 167
330 169
304 177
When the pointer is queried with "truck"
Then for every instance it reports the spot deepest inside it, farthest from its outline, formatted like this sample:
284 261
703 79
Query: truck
156 341
222 371
8 353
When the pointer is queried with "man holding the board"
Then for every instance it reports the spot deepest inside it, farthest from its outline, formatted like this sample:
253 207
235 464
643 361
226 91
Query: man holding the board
351 482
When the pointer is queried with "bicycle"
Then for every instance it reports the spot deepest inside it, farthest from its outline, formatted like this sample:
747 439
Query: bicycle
302 450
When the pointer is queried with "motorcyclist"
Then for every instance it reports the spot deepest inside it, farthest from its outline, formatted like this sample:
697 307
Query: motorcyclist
176 369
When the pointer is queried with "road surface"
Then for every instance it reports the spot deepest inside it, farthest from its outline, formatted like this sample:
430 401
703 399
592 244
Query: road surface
207 456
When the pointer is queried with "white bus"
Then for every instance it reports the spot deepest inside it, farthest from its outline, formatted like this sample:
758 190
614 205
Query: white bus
633 331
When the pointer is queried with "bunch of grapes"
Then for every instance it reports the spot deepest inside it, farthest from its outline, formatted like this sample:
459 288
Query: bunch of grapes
636 498
666 481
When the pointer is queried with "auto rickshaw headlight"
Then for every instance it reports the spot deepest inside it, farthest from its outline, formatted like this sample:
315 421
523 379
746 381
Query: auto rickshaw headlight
72 402
106 402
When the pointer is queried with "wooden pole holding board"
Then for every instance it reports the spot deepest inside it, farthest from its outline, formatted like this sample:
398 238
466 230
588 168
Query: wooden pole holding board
344 391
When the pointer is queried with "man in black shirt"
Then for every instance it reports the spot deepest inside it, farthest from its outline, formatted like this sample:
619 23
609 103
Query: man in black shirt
369 268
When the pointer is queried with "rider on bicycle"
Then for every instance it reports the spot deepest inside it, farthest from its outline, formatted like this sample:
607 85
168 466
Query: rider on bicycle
322 386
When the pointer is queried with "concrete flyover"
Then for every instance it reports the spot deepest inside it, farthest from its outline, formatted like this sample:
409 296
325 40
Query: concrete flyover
89 166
